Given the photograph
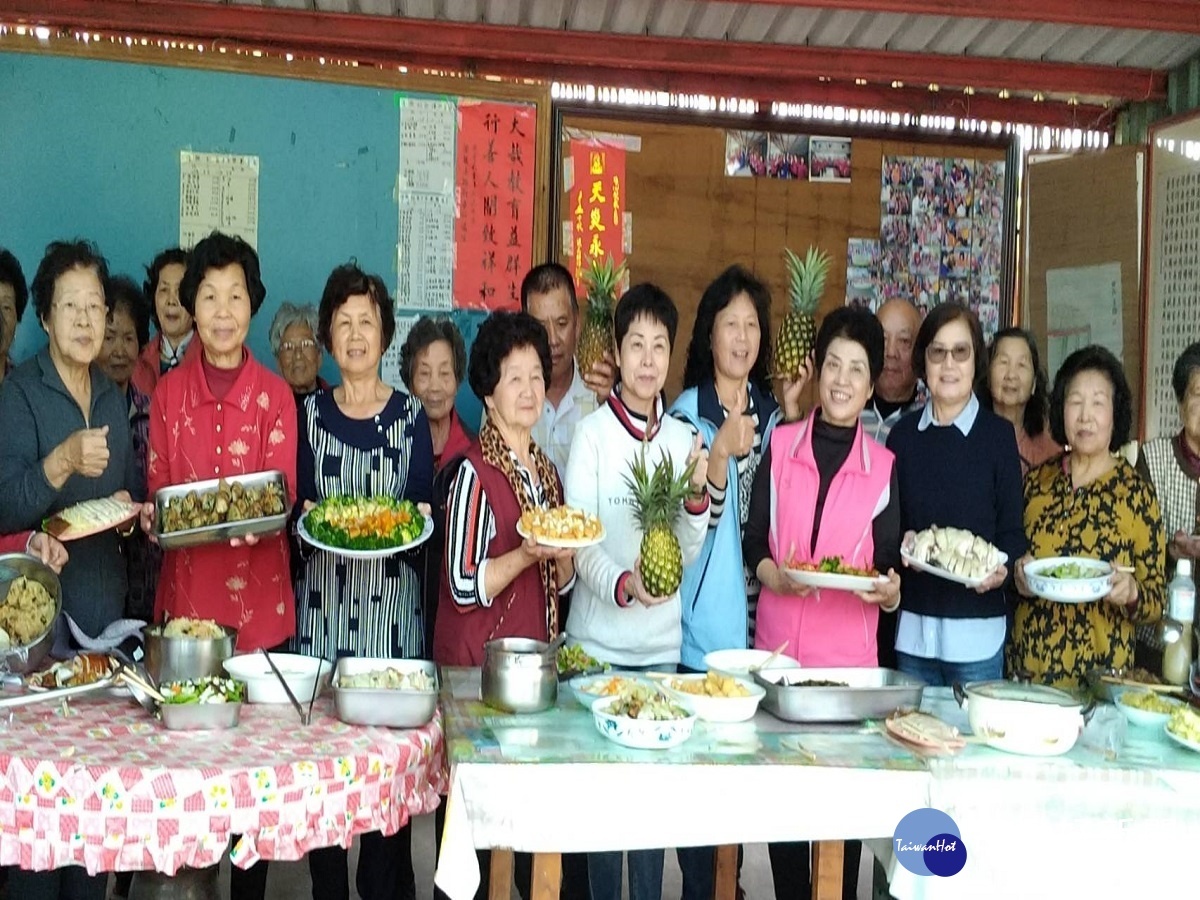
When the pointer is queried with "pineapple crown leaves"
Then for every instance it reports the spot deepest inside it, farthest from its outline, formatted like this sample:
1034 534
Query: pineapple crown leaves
603 277
806 278
659 495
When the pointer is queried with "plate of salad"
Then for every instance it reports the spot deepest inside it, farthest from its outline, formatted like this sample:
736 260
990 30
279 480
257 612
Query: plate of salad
364 527
833 573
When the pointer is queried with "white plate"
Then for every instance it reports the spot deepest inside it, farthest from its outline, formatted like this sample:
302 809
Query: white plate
383 553
1183 742
1068 590
942 573
834 581
564 543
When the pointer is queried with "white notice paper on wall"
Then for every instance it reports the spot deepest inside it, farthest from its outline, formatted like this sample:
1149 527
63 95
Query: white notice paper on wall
1083 306
427 145
217 192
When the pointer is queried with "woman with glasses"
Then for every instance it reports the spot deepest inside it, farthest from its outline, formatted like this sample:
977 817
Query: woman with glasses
67 439
297 353
957 465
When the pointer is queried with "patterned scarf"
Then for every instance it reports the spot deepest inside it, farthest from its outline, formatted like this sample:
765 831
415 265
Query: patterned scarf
497 453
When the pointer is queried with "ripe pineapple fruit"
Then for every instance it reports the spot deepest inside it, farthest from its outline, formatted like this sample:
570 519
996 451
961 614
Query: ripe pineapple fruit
658 498
596 338
806 283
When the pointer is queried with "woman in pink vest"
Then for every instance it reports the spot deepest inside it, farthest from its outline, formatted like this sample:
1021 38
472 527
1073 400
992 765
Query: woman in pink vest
825 489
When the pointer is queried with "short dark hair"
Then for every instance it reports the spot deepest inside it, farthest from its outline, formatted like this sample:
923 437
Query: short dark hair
938 318
646 300
699 368
219 251
427 331
172 255
11 274
348 281
1185 366
499 335
1093 358
546 278
856 325
1034 421
123 293
61 257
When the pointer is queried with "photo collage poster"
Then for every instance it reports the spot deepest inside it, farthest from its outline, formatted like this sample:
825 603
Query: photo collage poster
790 157
941 233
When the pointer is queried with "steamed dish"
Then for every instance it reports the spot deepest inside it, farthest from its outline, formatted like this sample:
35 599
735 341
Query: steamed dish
183 627
26 614
641 701
228 503
956 550
389 679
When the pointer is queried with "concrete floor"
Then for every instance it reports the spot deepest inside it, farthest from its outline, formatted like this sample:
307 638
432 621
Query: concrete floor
289 880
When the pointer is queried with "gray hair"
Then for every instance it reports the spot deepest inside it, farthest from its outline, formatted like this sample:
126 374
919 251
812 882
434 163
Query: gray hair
290 314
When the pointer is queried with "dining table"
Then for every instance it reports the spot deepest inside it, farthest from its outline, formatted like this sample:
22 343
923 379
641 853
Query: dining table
98 782
1117 812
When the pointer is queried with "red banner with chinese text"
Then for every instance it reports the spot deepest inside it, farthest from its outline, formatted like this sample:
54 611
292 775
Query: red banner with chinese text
596 206
494 188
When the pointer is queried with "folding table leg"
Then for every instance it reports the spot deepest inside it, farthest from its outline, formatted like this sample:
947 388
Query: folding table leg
500 880
547 876
827 870
726 872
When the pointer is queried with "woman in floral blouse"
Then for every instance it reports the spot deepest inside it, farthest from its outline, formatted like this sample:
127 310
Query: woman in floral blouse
222 413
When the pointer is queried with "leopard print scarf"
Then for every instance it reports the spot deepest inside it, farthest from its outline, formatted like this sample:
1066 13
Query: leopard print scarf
497 453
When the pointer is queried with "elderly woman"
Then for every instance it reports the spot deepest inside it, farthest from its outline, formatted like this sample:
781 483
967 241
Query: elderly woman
294 343
495 583
433 362
363 439
13 296
174 323
1016 390
66 439
127 331
957 465
1172 464
1089 503
826 462
221 413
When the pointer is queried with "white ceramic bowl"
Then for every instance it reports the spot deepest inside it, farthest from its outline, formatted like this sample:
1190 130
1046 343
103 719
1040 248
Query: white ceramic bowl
586 687
1029 719
263 687
1144 718
641 734
1069 590
738 662
717 709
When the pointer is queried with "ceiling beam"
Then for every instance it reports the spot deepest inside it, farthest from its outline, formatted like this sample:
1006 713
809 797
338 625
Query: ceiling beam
1176 16
350 34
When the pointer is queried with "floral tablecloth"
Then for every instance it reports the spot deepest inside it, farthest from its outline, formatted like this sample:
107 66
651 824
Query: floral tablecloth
104 786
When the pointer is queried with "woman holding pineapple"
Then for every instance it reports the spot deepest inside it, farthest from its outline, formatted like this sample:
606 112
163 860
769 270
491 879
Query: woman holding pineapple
626 605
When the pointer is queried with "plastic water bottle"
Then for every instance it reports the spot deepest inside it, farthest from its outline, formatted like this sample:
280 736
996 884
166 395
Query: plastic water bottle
1181 609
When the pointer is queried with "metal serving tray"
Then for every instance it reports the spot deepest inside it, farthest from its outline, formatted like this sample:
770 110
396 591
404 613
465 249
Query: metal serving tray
384 706
211 534
869 694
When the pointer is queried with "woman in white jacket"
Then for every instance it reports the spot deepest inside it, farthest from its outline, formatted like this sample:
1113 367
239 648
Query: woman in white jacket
612 614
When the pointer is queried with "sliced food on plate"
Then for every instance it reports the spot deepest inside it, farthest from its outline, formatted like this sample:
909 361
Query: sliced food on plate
85 668
561 526
90 517
371 525
953 553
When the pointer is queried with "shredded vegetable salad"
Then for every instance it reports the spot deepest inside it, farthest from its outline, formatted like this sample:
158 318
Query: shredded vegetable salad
212 689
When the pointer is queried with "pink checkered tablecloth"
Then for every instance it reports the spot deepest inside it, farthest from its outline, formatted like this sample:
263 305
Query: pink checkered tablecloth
104 786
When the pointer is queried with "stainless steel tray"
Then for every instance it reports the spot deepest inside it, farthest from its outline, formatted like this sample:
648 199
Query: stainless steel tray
869 694
383 706
211 534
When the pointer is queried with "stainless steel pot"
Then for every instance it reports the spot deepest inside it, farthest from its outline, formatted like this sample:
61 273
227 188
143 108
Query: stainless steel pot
12 566
183 658
520 675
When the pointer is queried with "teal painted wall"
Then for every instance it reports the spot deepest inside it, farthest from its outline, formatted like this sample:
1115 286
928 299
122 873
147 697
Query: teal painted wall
91 149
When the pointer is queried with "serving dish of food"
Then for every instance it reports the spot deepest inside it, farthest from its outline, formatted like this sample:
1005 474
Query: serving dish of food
393 693
740 663
365 527
838 694
184 648
90 517
1027 719
302 674
83 668
1108 684
642 717
1183 728
573 660
954 554
587 688
30 601
716 697
561 526
220 509
1146 709
833 573
201 704
1069 579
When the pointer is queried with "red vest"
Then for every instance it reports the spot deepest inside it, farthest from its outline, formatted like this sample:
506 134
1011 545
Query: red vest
518 611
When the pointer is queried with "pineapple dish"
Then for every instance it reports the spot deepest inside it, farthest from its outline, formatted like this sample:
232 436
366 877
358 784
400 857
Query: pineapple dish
798 334
658 499
596 336
560 524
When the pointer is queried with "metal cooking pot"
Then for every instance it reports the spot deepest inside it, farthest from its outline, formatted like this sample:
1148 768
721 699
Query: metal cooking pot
520 675
12 566
184 658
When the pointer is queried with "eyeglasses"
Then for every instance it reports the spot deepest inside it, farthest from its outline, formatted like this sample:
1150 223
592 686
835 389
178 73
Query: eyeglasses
936 353
303 346
71 309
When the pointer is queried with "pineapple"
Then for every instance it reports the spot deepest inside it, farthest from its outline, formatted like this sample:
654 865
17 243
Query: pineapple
798 336
596 338
658 497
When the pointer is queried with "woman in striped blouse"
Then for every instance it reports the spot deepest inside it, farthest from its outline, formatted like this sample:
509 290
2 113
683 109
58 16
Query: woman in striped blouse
362 439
